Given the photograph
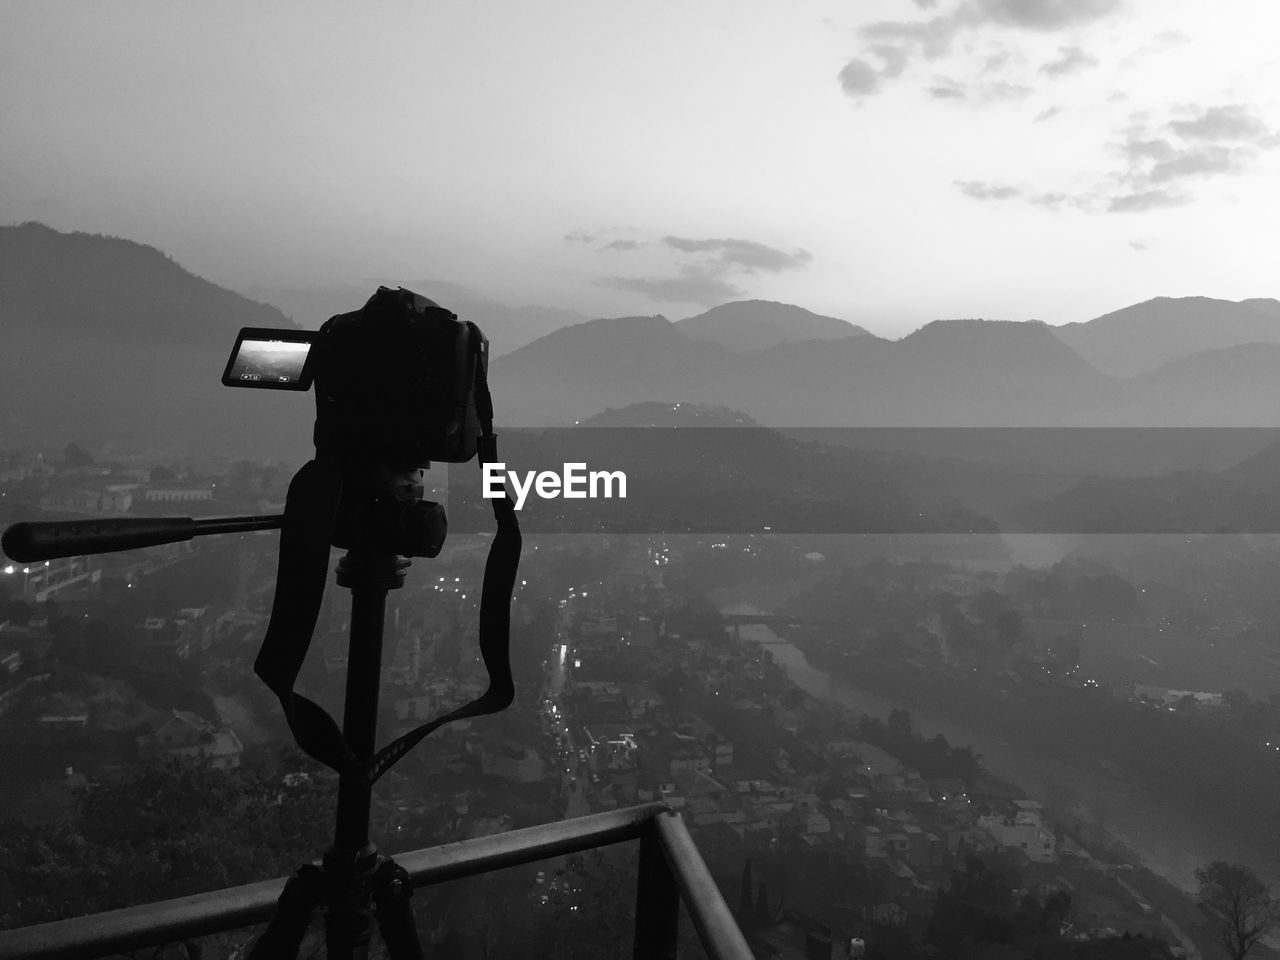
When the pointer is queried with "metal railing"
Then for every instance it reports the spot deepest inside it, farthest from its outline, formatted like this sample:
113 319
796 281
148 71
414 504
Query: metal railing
671 871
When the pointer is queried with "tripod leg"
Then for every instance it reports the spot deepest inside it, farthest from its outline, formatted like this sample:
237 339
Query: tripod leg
395 914
298 901
347 933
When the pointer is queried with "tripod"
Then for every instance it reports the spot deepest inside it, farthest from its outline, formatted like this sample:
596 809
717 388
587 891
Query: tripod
353 883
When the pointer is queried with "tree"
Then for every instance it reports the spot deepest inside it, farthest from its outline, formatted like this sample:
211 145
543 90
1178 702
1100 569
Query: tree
1240 902
76 456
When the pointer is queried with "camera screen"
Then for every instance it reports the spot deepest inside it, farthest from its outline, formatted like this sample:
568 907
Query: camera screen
272 359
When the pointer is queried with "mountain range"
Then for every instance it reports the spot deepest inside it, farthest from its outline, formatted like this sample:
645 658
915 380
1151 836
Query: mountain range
1142 337
110 341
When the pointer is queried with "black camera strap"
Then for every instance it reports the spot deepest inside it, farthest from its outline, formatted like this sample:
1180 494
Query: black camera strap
310 513
500 570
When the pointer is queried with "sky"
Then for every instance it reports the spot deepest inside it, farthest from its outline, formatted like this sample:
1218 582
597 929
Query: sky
890 162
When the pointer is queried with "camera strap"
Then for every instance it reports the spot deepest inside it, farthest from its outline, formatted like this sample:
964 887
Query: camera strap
495 602
310 514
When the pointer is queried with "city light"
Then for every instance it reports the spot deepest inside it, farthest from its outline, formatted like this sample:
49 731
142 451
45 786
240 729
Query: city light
9 569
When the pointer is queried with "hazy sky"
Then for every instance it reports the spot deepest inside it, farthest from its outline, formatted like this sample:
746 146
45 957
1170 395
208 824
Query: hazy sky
887 161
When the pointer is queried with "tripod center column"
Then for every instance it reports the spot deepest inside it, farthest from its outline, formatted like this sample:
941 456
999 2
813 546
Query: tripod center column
369 576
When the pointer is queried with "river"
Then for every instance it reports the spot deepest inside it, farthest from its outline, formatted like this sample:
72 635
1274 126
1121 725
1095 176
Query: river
1168 841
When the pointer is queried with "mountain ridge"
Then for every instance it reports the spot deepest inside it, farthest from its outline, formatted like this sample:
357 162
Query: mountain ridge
744 325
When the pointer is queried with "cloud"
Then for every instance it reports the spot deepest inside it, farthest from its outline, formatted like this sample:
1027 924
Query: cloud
1161 42
1053 199
1138 148
926 4
1048 113
1204 142
1070 60
1045 14
1145 200
858 78
1161 157
932 38
1228 122
897 43
1001 90
708 279
997 61
580 236
747 255
1139 244
893 60
944 88
994 192
1200 161
981 190
693 284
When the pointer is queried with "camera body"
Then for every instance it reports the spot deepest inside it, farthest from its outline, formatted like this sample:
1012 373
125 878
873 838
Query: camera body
396 383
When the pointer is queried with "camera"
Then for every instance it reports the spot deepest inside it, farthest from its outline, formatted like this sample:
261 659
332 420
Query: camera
400 382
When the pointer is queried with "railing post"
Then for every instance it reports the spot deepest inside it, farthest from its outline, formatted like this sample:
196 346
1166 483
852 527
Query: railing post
657 901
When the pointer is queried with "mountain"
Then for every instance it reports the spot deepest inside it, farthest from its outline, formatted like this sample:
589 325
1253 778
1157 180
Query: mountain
579 371
950 373
111 341
1144 336
1236 386
90 285
508 328
758 324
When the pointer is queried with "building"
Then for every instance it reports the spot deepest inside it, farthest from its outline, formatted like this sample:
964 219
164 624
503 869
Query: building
512 761
187 734
78 500
1022 831
177 494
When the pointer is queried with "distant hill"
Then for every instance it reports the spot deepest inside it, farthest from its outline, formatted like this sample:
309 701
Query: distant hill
579 371
759 324
1144 336
90 285
670 415
1236 386
508 328
110 341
